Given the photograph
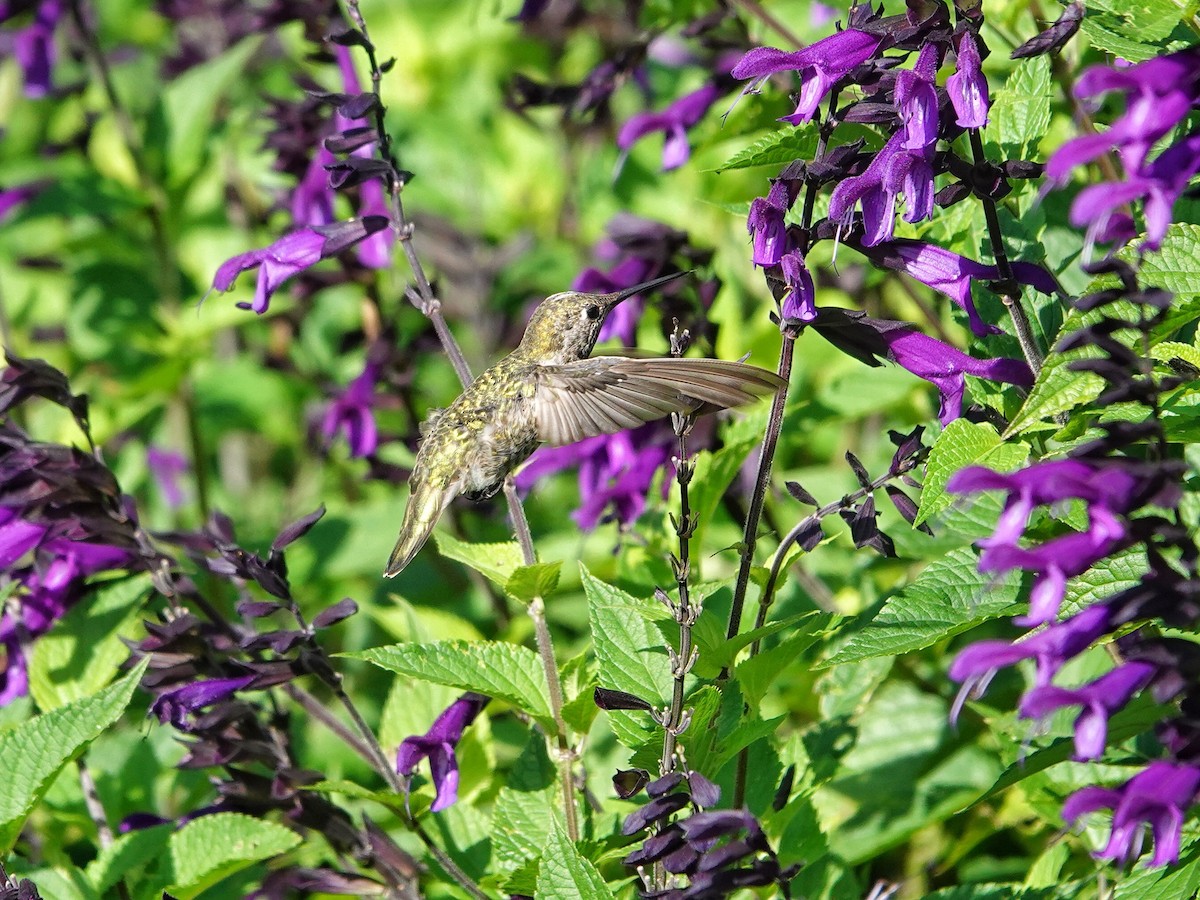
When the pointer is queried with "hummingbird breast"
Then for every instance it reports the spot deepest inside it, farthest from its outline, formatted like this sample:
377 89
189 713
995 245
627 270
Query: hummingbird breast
476 442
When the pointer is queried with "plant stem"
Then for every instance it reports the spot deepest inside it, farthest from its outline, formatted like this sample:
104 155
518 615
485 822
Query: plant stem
431 307
1010 294
685 613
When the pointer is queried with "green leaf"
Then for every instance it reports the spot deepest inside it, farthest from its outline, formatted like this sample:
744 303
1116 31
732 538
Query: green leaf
776 148
964 444
128 852
629 649
210 848
83 651
495 562
1126 35
34 752
565 875
525 807
713 658
1020 114
949 597
538 580
1176 268
1178 882
1168 350
505 671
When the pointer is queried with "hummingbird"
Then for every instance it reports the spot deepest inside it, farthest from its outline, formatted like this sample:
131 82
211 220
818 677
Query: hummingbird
550 391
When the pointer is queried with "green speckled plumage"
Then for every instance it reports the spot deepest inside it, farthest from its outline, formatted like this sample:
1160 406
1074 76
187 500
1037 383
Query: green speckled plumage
549 391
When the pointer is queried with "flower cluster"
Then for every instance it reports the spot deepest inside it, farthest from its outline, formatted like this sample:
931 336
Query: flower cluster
1124 491
921 121
62 521
717 851
1159 95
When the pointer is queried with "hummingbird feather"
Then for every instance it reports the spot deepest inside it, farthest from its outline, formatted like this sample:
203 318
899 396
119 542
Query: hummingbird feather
424 509
603 394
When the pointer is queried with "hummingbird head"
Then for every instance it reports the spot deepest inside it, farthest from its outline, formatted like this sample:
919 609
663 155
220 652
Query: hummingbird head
565 326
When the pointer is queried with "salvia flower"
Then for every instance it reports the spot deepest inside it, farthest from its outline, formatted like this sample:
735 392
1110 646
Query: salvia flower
616 471
438 745
166 466
177 705
292 254
1156 797
800 303
33 46
917 101
821 65
766 224
967 87
893 170
674 122
947 367
351 413
1098 701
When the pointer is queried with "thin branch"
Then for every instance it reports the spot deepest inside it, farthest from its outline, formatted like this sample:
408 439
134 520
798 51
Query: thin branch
431 307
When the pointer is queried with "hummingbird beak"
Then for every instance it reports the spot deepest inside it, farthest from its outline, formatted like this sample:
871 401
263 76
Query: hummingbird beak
611 300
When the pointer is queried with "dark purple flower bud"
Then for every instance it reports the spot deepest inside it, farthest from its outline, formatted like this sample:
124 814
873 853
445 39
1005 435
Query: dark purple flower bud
667 842
967 87
820 65
331 615
1098 700
351 413
608 699
709 826
296 530
166 466
704 792
628 782
438 745
800 302
664 785
674 122
175 706
1158 797
356 170
255 609
293 254
1056 36
799 493
657 810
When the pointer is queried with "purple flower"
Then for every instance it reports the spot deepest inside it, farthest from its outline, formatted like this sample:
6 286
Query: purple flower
1159 185
34 47
1046 482
175 706
166 466
892 171
1156 797
438 744
916 100
1050 648
615 471
947 367
1159 94
11 198
351 413
800 303
766 224
1099 699
820 66
967 87
673 122
292 254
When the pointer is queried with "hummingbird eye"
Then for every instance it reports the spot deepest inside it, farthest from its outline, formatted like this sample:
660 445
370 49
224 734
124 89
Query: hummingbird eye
592 312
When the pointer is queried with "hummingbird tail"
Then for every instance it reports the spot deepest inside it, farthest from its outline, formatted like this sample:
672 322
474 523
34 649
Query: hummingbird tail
425 506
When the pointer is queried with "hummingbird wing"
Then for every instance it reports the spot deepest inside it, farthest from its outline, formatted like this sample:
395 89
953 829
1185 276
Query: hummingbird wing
603 394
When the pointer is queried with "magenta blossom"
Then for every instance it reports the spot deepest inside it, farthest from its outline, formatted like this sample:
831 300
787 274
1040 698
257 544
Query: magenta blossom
820 65
438 745
1156 797
916 100
292 254
674 122
766 224
893 171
